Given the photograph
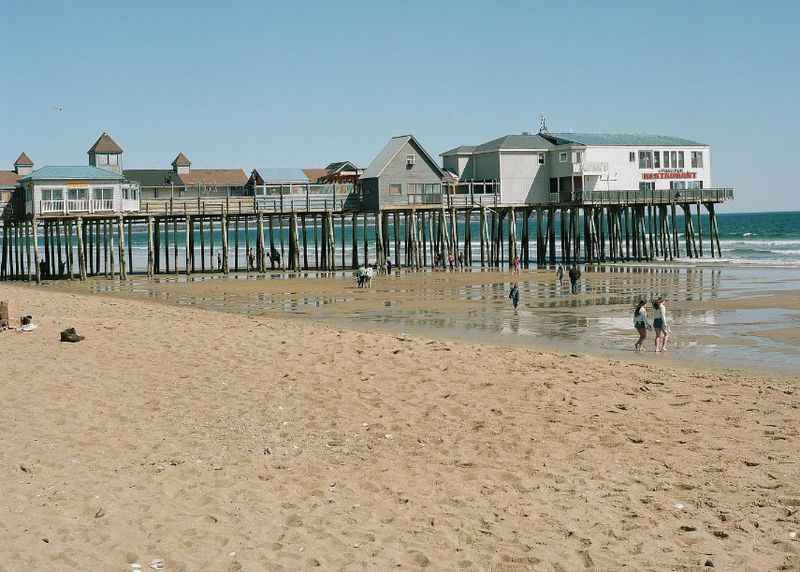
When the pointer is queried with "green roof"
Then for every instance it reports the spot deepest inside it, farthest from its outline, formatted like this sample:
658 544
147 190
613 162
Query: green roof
80 172
622 139
524 141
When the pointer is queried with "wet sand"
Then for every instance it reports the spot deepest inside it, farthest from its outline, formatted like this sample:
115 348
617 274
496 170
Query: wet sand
220 441
726 316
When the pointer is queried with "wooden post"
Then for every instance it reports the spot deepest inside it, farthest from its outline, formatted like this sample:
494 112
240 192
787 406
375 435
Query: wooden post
123 270
37 273
187 245
512 235
224 223
81 249
236 243
331 241
675 243
379 252
97 246
201 223
366 241
262 257
304 231
27 240
699 229
150 255
110 247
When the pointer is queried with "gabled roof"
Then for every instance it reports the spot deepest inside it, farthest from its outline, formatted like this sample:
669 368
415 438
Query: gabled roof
105 144
390 151
214 177
460 150
8 179
622 139
340 166
276 175
152 177
517 142
80 172
181 161
23 161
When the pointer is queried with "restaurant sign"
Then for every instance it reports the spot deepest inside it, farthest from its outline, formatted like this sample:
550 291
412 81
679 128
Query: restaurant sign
669 175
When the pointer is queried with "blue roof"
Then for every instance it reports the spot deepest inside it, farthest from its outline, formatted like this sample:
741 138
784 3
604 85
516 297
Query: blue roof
625 139
82 172
275 175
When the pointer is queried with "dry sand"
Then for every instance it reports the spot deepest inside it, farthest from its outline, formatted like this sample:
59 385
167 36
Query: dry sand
220 442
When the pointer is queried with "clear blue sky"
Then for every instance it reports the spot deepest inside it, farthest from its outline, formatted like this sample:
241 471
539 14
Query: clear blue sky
253 83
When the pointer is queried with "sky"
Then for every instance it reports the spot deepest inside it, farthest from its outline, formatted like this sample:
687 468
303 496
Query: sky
302 84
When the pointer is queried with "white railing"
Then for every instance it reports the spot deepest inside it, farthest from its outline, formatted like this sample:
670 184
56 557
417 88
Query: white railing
56 206
77 205
100 205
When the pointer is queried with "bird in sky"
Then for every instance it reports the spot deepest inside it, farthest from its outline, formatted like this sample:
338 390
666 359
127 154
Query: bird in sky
58 108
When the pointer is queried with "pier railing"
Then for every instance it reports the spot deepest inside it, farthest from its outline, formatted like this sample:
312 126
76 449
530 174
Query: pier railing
661 196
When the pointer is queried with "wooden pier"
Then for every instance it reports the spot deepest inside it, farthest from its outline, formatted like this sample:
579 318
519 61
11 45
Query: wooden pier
244 235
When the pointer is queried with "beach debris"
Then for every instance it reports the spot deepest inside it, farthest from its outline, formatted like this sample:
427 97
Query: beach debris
26 324
4 323
793 535
157 564
709 563
24 469
135 566
720 534
99 513
70 335
688 528
679 506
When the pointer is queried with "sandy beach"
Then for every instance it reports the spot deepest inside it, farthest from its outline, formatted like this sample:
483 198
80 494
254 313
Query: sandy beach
221 441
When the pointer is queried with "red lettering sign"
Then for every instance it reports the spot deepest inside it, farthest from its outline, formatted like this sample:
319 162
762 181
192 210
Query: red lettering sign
669 175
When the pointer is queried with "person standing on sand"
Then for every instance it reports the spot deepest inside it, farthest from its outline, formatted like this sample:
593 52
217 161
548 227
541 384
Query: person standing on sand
388 266
450 261
461 260
219 261
574 276
640 323
517 265
514 295
660 324
560 275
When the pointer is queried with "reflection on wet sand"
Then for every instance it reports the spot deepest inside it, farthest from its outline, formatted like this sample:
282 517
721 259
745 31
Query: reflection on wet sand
737 316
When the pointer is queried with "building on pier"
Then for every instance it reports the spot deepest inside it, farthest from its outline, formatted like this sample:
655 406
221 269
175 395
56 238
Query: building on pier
579 167
402 174
77 189
182 181
9 179
291 189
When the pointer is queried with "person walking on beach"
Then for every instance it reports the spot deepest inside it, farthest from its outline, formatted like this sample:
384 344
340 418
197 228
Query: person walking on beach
450 261
461 260
251 260
574 276
516 265
514 295
388 266
219 261
560 275
640 323
660 324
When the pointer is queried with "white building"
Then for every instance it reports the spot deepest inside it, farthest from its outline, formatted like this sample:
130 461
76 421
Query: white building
545 167
98 187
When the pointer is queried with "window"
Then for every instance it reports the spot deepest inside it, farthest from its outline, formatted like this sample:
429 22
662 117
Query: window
554 185
694 184
673 158
666 159
431 188
52 194
645 159
677 185
680 160
657 159
577 156
411 159
395 189
562 156
102 159
77 194
697 159
103 193
541 158
632 156
113 159
647 186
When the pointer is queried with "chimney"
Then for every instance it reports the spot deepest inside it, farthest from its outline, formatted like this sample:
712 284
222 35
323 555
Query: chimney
23 165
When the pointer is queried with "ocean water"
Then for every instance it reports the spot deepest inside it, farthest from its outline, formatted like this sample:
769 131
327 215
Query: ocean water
760 238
